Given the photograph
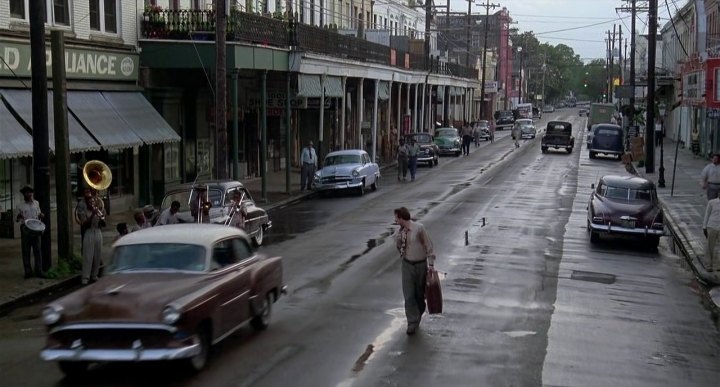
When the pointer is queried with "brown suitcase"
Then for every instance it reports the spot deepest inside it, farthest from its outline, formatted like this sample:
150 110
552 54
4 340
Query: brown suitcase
433 292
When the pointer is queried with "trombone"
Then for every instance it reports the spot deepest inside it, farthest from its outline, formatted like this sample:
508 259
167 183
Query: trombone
234 209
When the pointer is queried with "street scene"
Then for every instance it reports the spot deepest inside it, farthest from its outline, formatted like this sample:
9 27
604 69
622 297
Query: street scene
397 193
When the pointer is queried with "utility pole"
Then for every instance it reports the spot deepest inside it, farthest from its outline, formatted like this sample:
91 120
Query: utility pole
41 139
650 123
428 18
620 56
608 54
487 6
612 66
467 35
221 89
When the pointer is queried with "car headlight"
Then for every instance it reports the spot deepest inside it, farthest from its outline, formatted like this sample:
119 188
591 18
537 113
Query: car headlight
51 314
170 315
355 173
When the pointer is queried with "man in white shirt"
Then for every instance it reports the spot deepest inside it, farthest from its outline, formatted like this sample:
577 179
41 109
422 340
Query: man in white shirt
308 164
658 132
711 229
170 215
29 208
710 176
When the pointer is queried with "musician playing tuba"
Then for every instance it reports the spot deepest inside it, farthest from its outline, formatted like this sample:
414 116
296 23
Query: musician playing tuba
29 209
90 213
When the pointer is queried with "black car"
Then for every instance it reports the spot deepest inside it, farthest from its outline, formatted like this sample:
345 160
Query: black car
429 152
606 139
504 119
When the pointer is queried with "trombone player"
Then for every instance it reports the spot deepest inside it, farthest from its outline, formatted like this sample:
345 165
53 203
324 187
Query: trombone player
91 216
238 212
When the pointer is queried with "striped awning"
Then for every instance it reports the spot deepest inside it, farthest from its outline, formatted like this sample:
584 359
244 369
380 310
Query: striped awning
15 141
333 87
384 90
309 86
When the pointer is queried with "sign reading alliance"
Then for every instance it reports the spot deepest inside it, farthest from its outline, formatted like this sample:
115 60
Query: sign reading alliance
79 63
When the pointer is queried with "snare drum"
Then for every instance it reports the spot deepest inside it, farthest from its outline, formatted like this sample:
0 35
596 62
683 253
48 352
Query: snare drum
33 227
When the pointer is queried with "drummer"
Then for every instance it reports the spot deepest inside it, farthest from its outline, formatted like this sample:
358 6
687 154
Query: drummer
29 208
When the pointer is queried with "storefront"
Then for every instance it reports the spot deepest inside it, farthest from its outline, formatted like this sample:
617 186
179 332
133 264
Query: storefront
109 119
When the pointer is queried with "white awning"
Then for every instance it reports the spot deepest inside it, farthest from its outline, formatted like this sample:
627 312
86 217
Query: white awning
309 86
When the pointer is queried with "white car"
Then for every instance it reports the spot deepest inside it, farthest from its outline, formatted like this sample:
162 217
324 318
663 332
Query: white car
526 128
347 170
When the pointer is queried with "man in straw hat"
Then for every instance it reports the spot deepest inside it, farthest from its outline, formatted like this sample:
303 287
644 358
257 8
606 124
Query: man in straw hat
29 208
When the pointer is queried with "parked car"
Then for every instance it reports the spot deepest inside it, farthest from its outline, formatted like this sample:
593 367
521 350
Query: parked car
504 119
526 128
482 130
349 169
448 141
558 135
169 293
220 196
606 139
583 110
625 205
548 109
429 151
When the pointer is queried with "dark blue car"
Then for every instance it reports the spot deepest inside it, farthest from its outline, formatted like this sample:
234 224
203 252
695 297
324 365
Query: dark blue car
607 139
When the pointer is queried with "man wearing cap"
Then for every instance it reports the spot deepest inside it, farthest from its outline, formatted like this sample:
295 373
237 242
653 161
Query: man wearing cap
710 176
29 208
308 164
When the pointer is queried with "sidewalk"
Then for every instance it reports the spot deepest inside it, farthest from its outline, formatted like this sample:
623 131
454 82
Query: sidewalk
16 291
684 202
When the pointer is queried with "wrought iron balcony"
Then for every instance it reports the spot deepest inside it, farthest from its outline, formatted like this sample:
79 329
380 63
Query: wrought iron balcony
274 32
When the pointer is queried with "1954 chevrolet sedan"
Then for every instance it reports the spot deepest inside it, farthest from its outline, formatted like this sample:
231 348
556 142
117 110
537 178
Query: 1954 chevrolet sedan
170 293
625 205
349 169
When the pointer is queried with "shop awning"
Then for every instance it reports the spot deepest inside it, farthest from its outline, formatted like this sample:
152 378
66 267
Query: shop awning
141 116
309 86
383 90
333 87
21 102
15 141
100 118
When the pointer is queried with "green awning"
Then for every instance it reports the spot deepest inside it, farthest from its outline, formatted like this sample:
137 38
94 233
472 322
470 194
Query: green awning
141 116
99 117
309 86
21 102
15 141
333 87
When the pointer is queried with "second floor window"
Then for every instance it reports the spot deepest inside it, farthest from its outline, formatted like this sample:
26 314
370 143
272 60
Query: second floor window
103 15
57 12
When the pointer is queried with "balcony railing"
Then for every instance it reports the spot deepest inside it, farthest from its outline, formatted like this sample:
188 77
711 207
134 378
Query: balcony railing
257 29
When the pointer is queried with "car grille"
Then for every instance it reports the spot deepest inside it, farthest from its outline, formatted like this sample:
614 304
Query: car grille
112 338
335 179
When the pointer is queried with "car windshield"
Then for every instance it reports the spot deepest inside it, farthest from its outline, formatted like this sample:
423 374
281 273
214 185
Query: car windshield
342 159
524 122
188 196
482 124
422 138
447 133
158 256
505 114
627 193
607 132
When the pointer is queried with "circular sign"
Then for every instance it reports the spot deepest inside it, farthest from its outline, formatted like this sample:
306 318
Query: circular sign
127 66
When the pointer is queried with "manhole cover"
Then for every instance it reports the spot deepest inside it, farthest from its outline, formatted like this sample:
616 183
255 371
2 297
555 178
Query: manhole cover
591 276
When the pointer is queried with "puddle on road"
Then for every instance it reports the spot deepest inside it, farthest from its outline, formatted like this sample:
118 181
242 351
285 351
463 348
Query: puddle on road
519 333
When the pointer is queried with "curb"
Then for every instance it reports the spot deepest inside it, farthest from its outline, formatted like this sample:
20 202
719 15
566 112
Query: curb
36 296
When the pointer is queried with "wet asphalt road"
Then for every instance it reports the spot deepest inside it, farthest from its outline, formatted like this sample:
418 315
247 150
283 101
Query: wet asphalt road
528 301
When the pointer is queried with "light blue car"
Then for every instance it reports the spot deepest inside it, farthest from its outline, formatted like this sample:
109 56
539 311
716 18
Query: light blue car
347 170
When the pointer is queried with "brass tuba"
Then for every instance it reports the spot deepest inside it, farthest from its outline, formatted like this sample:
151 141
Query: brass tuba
98 176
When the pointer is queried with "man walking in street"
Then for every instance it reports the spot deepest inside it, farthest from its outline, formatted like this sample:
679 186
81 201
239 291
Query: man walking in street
402 158
467 135
710 178
413 152
711 229
416 251
29 209
308 164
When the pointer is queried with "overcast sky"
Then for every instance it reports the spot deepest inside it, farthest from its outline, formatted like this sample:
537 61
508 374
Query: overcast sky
580 24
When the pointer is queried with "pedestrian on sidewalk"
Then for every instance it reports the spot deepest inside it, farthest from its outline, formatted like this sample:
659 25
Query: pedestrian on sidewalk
467 135
413 152
29 209
92 217
416 251
141 221
122 230
308 164
658 132
695 142
711 229
402 158
710 176
170 215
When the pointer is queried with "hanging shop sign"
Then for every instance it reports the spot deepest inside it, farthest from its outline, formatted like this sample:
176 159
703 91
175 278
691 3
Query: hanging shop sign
80 63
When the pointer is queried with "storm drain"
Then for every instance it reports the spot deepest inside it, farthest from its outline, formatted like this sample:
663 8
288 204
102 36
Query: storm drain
592 276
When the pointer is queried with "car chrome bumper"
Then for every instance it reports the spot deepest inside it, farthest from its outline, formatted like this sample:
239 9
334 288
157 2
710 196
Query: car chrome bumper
448 151
139 354
337 186
616 229
606 151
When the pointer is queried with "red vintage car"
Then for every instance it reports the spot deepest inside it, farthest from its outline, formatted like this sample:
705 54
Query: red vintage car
625 205
170 293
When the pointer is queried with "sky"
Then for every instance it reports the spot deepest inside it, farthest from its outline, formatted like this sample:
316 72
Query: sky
585 22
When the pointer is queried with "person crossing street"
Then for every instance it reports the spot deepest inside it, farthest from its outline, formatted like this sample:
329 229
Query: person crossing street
308 164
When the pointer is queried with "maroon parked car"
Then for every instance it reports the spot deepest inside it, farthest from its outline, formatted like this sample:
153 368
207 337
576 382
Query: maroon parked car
170 293
625 205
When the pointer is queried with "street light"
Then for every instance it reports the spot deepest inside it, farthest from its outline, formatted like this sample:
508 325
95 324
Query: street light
661 170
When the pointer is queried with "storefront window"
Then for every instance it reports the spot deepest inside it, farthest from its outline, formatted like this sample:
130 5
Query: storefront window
5 185
172 161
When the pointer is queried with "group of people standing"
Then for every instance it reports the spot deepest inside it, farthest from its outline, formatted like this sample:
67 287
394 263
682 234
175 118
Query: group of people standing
407 155
710 182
